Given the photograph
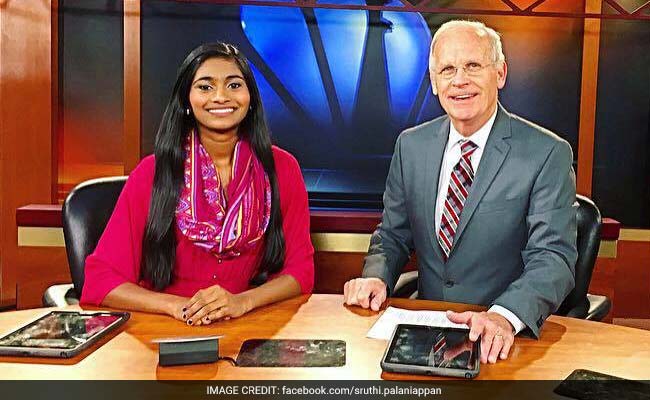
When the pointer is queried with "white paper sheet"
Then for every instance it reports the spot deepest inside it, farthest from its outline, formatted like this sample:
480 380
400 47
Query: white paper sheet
385 325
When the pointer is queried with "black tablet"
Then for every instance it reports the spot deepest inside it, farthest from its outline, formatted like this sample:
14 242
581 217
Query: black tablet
61 334
429 350
291 353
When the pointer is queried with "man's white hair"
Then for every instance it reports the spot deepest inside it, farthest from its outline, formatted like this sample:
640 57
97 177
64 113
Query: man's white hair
481 30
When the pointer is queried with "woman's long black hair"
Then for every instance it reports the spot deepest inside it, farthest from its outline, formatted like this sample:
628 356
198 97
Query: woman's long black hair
159 241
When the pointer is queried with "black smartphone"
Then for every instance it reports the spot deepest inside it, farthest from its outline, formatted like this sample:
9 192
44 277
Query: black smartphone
584 384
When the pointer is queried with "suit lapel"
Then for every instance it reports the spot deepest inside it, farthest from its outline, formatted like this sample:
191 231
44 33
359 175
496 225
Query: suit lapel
496 150
435 151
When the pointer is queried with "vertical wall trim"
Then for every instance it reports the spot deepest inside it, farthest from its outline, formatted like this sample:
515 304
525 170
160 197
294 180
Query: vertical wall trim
588 94
132 99
3 146
26 134
57 110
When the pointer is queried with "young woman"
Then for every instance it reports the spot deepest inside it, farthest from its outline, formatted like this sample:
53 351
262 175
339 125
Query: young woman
214 207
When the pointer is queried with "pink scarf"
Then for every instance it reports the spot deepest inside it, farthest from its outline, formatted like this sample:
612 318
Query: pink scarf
202 213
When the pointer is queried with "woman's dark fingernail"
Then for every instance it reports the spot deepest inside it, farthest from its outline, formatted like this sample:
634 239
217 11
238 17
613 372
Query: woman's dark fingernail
189 322
207 318
184 316
184 309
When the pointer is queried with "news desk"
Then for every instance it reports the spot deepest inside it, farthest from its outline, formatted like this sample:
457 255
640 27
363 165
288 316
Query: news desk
566 344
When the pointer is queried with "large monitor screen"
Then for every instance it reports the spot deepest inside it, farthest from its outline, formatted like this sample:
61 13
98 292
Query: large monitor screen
340 85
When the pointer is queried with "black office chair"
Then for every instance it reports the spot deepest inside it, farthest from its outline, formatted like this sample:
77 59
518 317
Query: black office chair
578 304
85 214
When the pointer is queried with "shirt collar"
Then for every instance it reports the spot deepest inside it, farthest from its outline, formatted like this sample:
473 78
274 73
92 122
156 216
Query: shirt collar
479 137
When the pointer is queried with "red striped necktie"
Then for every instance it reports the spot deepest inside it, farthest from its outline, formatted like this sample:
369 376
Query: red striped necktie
461 180
439 348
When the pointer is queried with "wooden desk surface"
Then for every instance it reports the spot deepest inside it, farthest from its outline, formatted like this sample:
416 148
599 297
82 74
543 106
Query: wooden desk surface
566 344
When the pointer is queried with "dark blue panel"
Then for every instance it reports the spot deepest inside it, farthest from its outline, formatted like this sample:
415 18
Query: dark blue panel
344 37
279 115
281 38
621 174
407 54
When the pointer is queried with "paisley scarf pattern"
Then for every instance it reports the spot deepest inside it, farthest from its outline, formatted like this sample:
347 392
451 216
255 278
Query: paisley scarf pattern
225 222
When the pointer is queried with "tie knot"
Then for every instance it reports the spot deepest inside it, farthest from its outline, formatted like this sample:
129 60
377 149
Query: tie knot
467 148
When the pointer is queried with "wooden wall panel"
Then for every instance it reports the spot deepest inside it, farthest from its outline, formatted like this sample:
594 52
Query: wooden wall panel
56 103
603 282
604 276
3 303
632 283
26 118
132 100
588 92
625 279
334 269
39 268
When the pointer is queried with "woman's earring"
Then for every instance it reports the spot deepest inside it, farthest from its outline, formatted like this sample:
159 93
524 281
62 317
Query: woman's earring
187 111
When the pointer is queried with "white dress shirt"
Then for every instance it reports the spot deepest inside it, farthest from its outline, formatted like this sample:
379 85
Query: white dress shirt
449 160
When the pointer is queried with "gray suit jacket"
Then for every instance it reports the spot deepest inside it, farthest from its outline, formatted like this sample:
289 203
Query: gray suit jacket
515 245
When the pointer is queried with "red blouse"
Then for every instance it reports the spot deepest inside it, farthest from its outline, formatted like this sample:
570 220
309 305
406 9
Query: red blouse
116 259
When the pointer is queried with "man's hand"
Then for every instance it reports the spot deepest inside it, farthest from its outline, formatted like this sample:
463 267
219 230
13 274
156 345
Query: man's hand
496 333
365 292
214 303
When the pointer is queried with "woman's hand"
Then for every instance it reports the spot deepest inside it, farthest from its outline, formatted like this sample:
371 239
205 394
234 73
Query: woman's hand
215 303
175 306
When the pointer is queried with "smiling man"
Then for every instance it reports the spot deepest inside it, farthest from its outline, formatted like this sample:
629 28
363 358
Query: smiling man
484 197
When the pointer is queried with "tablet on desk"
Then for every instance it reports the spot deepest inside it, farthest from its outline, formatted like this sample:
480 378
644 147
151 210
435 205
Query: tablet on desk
430 350
61 334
